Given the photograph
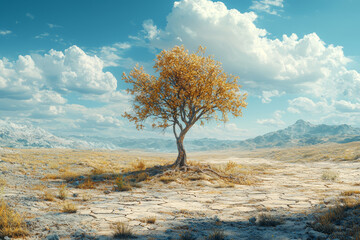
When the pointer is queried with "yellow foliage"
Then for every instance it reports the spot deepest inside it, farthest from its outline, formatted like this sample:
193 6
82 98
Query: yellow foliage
190 87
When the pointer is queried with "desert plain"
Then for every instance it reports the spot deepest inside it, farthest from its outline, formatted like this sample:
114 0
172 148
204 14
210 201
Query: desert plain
293 193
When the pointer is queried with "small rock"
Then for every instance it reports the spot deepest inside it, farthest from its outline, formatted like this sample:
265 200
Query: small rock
317 235
53 237
75 195
252 220
107 191
7 238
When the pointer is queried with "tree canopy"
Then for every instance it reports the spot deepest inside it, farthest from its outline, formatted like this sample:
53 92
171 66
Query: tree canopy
189 87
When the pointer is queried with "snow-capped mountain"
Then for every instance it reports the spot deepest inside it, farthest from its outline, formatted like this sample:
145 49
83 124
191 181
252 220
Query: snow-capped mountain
299 134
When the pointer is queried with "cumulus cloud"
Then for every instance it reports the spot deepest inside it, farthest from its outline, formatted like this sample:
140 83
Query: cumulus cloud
5 32
345 106
304 104
150 29
267 95
268 6
275 121
112 56
291 64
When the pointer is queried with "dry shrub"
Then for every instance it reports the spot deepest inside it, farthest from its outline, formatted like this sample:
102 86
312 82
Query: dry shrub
121 231
62 192
329 175
138 165
142 177
350 192
69 207
324 222
11 223
267 220
148 220
2 182
167 179
48 196
216 235
97 171
87 184
187 236
122 185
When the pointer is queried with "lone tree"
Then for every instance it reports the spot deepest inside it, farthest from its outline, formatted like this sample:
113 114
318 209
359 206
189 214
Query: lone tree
190 87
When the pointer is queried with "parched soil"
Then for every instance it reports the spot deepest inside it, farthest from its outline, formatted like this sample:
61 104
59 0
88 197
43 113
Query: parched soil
279 200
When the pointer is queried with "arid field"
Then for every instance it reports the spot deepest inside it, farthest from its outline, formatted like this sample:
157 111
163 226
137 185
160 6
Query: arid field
297 193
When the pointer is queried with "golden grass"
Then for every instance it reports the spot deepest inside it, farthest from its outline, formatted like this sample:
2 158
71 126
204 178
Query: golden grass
69 207
148 220
350 192
11 222
48 196
121 230
62 192
87 184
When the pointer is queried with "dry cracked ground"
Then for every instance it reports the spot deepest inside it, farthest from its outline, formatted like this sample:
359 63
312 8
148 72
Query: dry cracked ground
307 193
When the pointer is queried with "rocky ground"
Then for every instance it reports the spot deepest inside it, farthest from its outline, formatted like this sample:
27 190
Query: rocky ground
280 200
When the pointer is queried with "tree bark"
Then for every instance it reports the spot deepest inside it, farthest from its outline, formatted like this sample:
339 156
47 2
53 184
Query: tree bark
181 159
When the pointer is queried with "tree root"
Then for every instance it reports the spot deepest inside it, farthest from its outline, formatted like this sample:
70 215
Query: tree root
207 171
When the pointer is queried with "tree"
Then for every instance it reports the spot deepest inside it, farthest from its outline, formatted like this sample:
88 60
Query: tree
189 88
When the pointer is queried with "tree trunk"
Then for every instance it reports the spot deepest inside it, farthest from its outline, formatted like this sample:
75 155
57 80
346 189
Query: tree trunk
181 159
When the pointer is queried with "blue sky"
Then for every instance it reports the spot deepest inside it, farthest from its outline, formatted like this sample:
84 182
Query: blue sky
61 61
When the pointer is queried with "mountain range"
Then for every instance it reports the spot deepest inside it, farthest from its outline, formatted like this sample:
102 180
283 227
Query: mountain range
301 133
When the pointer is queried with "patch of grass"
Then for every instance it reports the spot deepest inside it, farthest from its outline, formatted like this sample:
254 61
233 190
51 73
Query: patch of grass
11 222
350 192
142 177
216 234
187 236
121 231
267 220
62 192
97 171
85 197
121 185
2 182
329 175
48 196
149 220
138 165
87 184
69 207
167 179
324 221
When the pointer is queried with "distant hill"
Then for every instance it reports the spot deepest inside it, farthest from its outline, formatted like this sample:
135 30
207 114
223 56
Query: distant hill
304 133
301 133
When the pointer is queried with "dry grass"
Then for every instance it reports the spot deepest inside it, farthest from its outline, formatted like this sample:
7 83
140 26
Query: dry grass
329 175
11 222
69 207
3 182
63 192
48 196
268 220
87 184
350 193
216 234
122 231
187 236
121 184
148 220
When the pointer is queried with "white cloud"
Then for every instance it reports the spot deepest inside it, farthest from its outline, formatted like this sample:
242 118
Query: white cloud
150 29
29 15
42 35
290 64
268 6
5 32
267 95
53 25
344 106
303 104
275 121
112 55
